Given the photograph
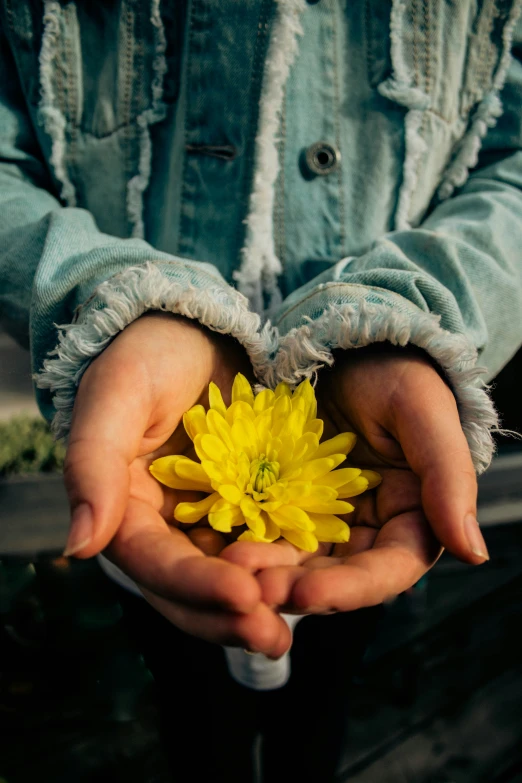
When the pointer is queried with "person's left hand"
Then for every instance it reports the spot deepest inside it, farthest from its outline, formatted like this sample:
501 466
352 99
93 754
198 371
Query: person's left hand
409 431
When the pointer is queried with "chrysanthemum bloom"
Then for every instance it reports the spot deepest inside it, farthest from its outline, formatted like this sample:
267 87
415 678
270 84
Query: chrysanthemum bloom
263 467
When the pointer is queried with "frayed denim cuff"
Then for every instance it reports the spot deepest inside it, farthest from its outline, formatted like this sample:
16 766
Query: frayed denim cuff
179 287
344 316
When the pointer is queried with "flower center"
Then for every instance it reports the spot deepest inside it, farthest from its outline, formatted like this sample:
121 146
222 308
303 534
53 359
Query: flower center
263 473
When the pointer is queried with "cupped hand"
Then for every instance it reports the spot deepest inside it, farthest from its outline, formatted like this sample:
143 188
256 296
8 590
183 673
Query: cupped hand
408 428
128 412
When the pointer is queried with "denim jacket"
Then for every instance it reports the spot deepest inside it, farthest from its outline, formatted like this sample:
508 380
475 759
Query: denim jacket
304 176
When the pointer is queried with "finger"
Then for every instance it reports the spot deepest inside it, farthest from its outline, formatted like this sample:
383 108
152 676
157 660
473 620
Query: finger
165 561
428 428
109 420
277 585
403 551
361 539
260 631
208 541
254 555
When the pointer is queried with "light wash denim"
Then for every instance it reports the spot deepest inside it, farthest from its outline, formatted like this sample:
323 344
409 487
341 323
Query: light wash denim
151 156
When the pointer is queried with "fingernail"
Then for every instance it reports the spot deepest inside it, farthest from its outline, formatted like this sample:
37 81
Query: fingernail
81 530
475 538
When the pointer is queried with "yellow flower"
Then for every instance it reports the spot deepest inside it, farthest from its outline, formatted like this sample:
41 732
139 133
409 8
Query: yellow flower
263 466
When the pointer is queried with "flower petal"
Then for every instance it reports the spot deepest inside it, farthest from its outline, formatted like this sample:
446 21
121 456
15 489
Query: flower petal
195 421
317 494
217 425
282 390
353 488
264 400
274 448
214 471
305 447
305 391
240 410
297 490
318 467
164 469
282 408
272 505
316 426
214 447
263 425
230 493
330 528
337 478
243 471
224 516
332 507
257 526
289 517
373 478
242 390
193 512
292 428
191 471
272 532
249 507
215 399
342 443
248 536
245 437
298 538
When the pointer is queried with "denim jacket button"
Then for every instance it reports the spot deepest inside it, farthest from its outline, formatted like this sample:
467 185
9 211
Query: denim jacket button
322 158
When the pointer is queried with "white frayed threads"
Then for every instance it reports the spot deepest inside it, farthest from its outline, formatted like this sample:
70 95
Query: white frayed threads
415 148
157 112
400 88
467 155
260 265
486 115
49 115
306 349
401 73
123 299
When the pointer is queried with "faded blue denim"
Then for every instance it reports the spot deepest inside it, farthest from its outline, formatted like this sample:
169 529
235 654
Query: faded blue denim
102 171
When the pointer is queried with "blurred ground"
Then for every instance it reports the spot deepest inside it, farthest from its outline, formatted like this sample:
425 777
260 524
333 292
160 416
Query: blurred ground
16 389
438 699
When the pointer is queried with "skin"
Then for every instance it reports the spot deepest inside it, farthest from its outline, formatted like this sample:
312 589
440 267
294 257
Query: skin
158 368
408 429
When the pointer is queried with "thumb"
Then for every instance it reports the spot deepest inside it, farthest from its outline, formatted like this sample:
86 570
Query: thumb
429 431
109 420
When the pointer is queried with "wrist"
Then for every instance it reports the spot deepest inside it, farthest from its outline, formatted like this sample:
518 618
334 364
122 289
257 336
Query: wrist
386 353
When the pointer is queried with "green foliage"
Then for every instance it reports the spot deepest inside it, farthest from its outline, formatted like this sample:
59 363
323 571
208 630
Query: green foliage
27 446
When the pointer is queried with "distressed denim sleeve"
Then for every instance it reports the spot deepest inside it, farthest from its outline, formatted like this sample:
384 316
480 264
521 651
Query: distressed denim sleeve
452 286
56 267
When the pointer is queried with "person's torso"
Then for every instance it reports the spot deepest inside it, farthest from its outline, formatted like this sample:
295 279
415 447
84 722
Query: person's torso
156 109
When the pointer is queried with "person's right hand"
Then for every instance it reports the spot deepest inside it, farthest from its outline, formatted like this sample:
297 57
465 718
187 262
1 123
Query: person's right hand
127 412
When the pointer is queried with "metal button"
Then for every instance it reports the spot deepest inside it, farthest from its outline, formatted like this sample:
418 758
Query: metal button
322 158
